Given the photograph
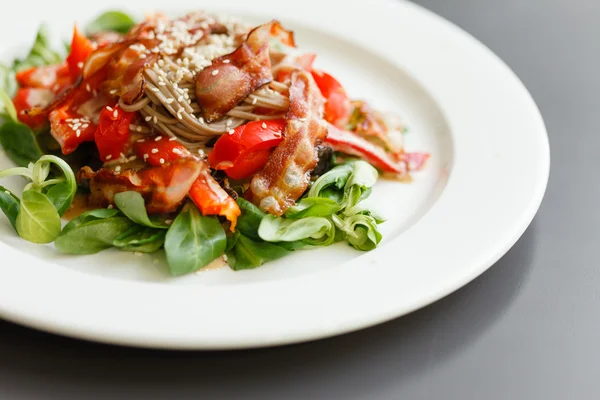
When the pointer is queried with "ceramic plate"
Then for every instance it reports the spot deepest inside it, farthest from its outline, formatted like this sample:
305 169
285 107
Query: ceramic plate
480 190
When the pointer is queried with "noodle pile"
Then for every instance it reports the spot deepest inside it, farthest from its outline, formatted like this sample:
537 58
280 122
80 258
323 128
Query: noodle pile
168 104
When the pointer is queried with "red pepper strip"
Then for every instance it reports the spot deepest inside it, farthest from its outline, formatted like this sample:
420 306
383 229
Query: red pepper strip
206 193
112 135
350 143
27 98
81 48
70 129
211 199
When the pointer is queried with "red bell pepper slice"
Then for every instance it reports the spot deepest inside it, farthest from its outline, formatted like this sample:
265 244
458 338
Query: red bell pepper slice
70 129
27 98
352 144
81 48
112 134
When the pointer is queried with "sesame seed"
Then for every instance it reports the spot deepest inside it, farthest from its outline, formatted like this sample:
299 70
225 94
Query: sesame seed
155 119
108 157
109 108
110 207
154 151
172 139
146 157
113 91
231 131
148 118
162 83
85 125
158 139
132 158
254 100
115 113
264 125
88 88
141 140
229 122
78 133
118 168
162 160
180 99
226 61
225 257
169 101
80 64
121 155
215 72
138 128
168 221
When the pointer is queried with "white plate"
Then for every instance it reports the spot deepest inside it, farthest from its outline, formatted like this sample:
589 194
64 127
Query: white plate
485 181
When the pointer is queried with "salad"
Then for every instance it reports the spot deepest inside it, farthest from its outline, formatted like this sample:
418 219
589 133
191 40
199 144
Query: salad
201 136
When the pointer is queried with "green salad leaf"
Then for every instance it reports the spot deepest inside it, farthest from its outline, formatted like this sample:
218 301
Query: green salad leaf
133 206
193 241
10 205
93 231
360 230
37 220
40 53
19 143
249 221
313 207
248 253
111 21
277 229
141 238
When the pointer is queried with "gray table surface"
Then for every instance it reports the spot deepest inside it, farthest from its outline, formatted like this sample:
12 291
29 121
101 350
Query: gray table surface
528 328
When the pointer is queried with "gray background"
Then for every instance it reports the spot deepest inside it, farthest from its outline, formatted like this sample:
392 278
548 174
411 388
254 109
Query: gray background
529 328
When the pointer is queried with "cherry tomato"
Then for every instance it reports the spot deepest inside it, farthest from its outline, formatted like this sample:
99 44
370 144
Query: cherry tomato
112 135
155 149
337 104
245 151
81 48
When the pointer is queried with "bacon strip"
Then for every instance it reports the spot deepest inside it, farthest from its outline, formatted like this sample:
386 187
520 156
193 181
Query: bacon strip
287 173
164 188
232 77
126 72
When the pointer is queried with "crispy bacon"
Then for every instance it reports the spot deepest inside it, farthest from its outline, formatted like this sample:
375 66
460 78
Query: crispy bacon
373 126
287 173
232 77
126 72
164 188
286 37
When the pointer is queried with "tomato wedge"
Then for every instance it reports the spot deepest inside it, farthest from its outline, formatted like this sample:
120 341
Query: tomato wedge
112 135
337 103
81 48
246 150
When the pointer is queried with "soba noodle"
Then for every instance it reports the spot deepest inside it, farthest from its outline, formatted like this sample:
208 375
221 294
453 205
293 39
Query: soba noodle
168 104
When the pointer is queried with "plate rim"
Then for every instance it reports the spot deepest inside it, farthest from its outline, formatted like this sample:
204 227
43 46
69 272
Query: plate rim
19 309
